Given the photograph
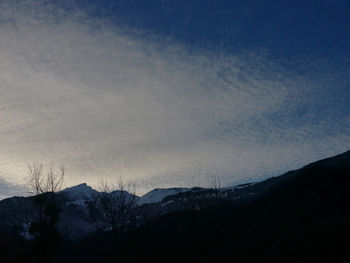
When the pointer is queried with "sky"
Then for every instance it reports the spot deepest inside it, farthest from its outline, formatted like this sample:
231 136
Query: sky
166 93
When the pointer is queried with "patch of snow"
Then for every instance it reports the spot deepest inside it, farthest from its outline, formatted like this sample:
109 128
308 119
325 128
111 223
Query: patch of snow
168 203
240 186
157 195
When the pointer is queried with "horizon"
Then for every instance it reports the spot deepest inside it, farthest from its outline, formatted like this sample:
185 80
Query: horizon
115 188
168 94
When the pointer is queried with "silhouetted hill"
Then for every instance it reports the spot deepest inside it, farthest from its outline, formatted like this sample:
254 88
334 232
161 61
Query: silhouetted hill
301 216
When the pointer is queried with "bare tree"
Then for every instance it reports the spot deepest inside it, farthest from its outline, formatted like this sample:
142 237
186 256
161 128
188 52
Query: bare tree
216 185
111 208
41 182
46 210
37 217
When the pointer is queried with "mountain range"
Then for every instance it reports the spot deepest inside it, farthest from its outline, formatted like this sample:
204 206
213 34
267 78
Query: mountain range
300 216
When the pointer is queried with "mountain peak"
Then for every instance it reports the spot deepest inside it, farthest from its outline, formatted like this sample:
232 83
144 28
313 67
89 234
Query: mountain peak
78 191
77 187
82 185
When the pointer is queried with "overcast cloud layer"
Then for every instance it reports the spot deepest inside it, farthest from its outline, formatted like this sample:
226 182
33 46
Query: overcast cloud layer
108 101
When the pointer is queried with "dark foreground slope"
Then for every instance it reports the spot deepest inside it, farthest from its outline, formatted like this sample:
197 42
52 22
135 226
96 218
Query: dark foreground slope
301 216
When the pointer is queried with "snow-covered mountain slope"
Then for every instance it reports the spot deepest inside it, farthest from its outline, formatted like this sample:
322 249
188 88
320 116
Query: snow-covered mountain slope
157 195
235 187
81 191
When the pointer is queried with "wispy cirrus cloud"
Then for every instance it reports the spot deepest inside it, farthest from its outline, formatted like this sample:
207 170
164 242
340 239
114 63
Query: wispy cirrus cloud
109 101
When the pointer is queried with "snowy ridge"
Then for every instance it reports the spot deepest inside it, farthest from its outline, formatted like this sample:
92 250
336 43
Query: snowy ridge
82 193
157 195
79 192
236 187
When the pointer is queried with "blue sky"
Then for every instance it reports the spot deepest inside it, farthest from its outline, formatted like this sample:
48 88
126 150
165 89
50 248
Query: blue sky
283 28
171 93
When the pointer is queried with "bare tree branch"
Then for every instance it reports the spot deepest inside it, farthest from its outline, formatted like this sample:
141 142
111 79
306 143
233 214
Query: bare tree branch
111 206
40 183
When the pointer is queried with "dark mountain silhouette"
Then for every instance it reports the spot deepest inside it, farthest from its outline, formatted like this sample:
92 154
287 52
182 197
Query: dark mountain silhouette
301 216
